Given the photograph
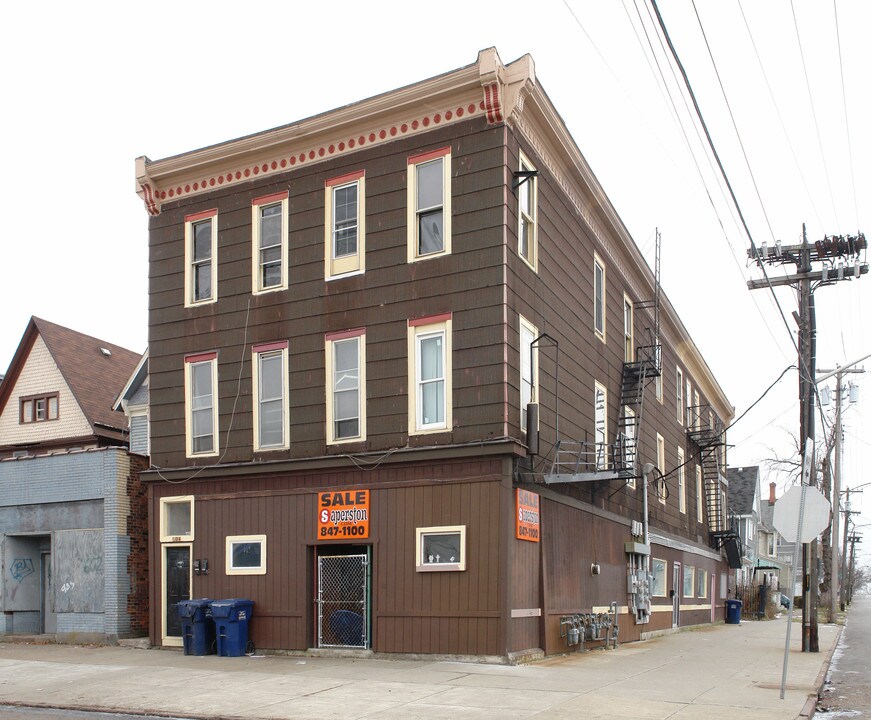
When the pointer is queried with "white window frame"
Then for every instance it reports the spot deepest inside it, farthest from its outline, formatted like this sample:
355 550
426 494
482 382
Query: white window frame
697 420
600 425
189 222
189 362
628 329
355 263
689 572
257 354
418 330
681 481
165 502
658 387
653 573
660 462
599 297
414 163
628 413
528 375
280 198
679 401
330 342
421 532
702 583
530 186
688 404
700 497
230 569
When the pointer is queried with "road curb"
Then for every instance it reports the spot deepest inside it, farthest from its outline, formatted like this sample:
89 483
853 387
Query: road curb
810 707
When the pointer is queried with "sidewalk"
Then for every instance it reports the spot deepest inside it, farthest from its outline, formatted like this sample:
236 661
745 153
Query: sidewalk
725 671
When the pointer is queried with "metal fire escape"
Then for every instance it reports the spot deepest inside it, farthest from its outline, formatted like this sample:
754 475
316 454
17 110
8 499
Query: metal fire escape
708 435
585 461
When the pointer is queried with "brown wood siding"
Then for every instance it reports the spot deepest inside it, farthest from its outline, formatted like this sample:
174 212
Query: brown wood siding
468 283
429 612
524 588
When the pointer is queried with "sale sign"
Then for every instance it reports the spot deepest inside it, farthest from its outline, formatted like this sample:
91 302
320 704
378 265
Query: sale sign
528 516
343 515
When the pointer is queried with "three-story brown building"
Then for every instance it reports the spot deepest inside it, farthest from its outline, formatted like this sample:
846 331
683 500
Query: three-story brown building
408 374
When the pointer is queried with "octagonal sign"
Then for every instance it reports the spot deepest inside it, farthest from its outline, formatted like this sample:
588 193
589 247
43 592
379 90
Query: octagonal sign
816 514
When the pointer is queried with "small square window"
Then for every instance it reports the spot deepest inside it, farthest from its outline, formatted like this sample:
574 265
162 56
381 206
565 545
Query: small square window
246 555
441 548
177 519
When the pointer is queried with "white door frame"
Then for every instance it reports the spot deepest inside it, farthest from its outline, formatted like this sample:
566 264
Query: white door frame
171 641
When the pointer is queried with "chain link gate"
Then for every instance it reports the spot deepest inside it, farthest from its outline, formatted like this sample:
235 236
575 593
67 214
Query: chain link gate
343 591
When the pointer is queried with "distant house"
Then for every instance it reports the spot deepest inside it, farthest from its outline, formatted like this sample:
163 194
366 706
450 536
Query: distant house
743 503
776 563
133 402
71 497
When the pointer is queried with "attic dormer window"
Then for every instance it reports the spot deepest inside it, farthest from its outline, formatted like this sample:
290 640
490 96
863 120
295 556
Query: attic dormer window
38 408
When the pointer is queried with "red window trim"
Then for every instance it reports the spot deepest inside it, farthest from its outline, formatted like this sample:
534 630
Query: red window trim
268 199
345 179
429 155
201 215
345 334
200 357
269 346
430 320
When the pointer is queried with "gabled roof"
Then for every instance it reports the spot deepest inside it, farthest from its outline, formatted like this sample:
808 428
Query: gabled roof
134 382
743 489
95 370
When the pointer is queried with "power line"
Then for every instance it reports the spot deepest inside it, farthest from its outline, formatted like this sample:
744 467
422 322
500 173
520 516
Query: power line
846 116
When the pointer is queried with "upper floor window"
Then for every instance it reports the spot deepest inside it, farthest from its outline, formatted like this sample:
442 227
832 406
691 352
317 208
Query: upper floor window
430 369
429 204
346 386
528 368
600 411
628 330
271 418
660 464
201 257
599 297
688 399
37 408
700 498
269 221
201 404
679 396
527 216
345 204
681 481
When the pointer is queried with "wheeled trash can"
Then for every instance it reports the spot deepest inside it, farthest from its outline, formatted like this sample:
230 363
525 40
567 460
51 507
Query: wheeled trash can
733 612
231 626
197 628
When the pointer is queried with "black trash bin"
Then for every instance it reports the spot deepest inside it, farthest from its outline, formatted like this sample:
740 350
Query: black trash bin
733 612
231 626
197 628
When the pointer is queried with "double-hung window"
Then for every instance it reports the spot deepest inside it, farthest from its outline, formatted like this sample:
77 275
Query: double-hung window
269 221
599 297
271 417
345 226
346 386
528 368
527 216
430 369
201 416
628 330
699 495
662 492
679 396
201 258
681 481
600 409
429 204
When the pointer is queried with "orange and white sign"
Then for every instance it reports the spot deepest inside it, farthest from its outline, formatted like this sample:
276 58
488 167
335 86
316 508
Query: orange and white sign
528 516
343 515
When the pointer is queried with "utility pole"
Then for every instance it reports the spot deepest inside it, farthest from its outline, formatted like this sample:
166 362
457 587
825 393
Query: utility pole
836 589
854 539
844 573
834 254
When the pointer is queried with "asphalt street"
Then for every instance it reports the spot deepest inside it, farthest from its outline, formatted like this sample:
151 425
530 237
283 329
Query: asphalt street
847 692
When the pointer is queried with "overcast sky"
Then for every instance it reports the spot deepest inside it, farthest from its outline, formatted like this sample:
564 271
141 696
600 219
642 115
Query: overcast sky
89 86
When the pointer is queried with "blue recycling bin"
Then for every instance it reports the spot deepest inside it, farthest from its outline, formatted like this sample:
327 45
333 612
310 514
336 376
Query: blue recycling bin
733 612
231 625
197 628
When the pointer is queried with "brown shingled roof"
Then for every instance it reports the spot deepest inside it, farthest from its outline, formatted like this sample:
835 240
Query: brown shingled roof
94 377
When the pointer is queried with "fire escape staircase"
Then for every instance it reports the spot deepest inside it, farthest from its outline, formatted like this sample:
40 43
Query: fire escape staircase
710 439
588 461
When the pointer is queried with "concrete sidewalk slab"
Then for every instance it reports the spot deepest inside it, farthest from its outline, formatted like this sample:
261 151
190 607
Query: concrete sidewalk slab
730 671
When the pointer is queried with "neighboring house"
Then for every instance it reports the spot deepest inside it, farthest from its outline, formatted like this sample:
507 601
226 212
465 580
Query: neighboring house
406 366
770 542
70 491
744 511
133 402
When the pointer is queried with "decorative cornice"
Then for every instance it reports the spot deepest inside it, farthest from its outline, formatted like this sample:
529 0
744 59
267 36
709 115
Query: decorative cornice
413 110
